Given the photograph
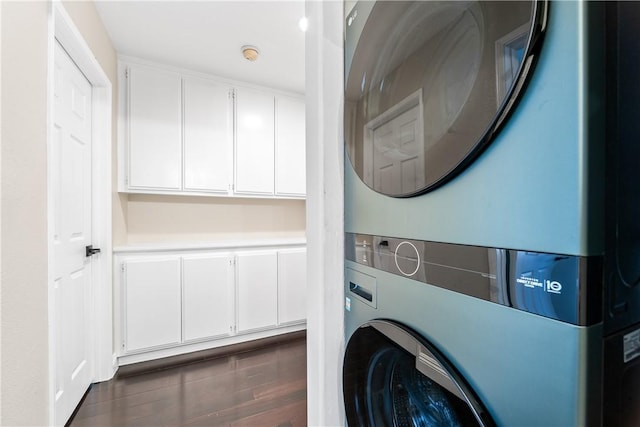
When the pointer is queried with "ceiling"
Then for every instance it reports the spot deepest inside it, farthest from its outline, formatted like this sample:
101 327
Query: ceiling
207 36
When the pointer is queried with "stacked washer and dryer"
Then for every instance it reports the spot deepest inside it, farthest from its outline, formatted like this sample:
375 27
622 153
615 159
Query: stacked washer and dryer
492 215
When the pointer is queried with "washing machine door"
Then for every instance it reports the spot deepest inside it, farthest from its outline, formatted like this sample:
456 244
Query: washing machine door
392 377
428 84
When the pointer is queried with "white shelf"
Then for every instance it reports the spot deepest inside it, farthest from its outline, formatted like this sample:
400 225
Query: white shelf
212 245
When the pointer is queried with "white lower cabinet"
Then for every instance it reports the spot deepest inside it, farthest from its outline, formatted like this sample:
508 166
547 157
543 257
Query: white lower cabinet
180 301
292 285
257 279
152 302
207 296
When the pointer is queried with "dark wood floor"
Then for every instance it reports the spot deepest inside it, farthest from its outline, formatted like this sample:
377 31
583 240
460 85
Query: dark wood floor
264 387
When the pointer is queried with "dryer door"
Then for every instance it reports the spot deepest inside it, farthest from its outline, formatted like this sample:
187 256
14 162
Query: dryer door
429 83
392 377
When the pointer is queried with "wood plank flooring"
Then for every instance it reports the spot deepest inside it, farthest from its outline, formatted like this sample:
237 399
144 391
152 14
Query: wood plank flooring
263 387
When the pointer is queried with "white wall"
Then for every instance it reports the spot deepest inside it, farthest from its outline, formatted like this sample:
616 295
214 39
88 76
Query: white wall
325 235
187 218
23 202
24 42
0 209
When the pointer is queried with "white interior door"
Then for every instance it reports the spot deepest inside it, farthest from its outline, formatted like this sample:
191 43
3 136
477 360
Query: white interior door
71 180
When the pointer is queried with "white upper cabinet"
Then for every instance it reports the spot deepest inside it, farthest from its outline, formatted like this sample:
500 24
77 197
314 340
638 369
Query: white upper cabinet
290 146
208 118
155 129
185 133
254 142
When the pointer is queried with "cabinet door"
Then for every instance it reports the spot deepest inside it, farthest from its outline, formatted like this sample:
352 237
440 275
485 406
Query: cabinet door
292 286
155 129
290 147
254 142
152 302
257 290
207 136
207 296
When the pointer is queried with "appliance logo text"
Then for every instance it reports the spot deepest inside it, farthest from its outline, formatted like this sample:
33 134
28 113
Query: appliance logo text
551 286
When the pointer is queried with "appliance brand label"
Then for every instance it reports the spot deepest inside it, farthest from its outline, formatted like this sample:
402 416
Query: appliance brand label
631 345
551 286
529 282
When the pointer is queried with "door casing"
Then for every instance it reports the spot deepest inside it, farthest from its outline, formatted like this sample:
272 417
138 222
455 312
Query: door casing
62 28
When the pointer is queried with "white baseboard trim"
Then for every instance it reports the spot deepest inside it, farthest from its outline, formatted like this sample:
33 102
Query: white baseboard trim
124 360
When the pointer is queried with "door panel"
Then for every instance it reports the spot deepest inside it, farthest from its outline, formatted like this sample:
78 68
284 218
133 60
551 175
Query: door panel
71 181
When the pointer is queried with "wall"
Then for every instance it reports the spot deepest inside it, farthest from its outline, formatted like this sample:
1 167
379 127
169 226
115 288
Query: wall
23 206
0 211
325 235
24 38
184 218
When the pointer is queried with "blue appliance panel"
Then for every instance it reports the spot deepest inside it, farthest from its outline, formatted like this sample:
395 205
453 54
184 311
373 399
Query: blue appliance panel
538 184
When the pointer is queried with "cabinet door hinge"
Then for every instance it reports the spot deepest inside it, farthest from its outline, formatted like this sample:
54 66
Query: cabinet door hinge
122 267
126 73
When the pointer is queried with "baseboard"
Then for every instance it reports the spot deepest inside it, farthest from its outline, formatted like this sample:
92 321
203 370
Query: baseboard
198 356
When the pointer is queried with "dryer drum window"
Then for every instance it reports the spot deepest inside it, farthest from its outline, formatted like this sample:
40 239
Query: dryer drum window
429 83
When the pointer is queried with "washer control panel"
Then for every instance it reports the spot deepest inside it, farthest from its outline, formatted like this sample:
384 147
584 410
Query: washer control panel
557 286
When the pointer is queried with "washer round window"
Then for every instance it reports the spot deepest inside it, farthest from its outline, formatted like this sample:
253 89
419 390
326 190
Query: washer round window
393 377
428 84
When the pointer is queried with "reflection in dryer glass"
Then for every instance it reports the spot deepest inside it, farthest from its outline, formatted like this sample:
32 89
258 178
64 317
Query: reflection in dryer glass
427 82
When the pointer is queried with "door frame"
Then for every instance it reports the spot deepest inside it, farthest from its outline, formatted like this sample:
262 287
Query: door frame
62 28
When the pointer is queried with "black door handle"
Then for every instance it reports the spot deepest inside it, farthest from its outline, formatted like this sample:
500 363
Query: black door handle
90 250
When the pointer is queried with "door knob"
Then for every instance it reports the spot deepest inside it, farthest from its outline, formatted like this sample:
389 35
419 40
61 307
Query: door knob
90 250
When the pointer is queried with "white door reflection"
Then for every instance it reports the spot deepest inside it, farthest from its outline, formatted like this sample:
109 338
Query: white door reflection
394 148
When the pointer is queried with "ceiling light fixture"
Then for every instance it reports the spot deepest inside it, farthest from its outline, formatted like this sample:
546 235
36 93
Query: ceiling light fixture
250 53
303 23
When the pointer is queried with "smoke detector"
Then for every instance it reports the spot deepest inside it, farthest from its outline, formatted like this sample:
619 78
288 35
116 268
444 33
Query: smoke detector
250 53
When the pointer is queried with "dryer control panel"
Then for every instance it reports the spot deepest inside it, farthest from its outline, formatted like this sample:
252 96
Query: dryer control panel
557 286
